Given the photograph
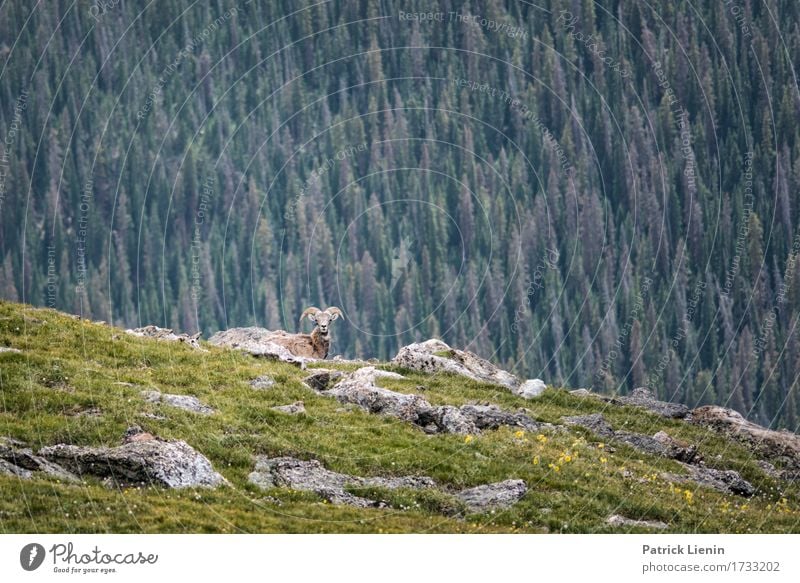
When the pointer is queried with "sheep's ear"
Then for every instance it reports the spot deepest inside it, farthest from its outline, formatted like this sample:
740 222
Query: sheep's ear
334 313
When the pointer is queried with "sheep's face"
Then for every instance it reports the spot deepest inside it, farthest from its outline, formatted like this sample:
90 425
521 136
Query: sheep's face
322 318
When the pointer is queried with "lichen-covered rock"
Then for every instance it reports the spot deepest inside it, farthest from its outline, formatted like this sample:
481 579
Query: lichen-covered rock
255 341
594 422
262 382
296 408
495 496
725 481
312 476
21 461
492 417
185 402
321 378
783 446
434 356
172 464
619 520
643 397
166 335
359 388
9 469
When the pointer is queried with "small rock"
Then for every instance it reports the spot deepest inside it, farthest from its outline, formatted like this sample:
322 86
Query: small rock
9 350
531 388
321 379
9 469
594 422
136 433
185 402
262 382
617 520
495 496
295 408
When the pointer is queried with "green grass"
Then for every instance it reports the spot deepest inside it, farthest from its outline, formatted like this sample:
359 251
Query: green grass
79 382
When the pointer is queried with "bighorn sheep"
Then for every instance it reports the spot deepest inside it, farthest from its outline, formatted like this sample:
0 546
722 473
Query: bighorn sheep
316 344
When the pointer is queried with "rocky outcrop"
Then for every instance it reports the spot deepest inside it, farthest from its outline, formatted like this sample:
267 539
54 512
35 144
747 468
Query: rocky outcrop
660 444
185 402
725 481
262 382
781 446
594 422
434 356
492 417
19 460
296 408
312 476
166 335
497 496
143 460
644 398
360 388
618 520
255 341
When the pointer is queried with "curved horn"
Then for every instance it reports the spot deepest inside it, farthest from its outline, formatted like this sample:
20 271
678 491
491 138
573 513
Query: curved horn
310 312
335 312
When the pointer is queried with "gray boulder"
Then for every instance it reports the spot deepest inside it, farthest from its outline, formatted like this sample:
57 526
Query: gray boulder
492 417
782 446
495 496
360 388
185 402
21 461
296 408
725 481
321 378
167 335
643 397
594 422
312 476
434 356
148 461
262 382
255 341
618 520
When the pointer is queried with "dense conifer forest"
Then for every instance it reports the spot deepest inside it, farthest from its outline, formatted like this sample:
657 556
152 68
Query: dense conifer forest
597 194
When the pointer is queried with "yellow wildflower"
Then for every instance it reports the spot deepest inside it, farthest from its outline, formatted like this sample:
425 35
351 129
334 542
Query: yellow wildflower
536 460
519 434
541 438
603 460
468 439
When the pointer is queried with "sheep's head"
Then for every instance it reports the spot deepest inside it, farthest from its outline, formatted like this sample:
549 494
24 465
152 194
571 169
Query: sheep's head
322 318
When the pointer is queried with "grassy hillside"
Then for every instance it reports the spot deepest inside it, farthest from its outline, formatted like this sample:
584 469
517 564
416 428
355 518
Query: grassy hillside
80 382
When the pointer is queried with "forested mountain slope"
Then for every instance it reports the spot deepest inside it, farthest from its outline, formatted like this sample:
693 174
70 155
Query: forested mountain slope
595 195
